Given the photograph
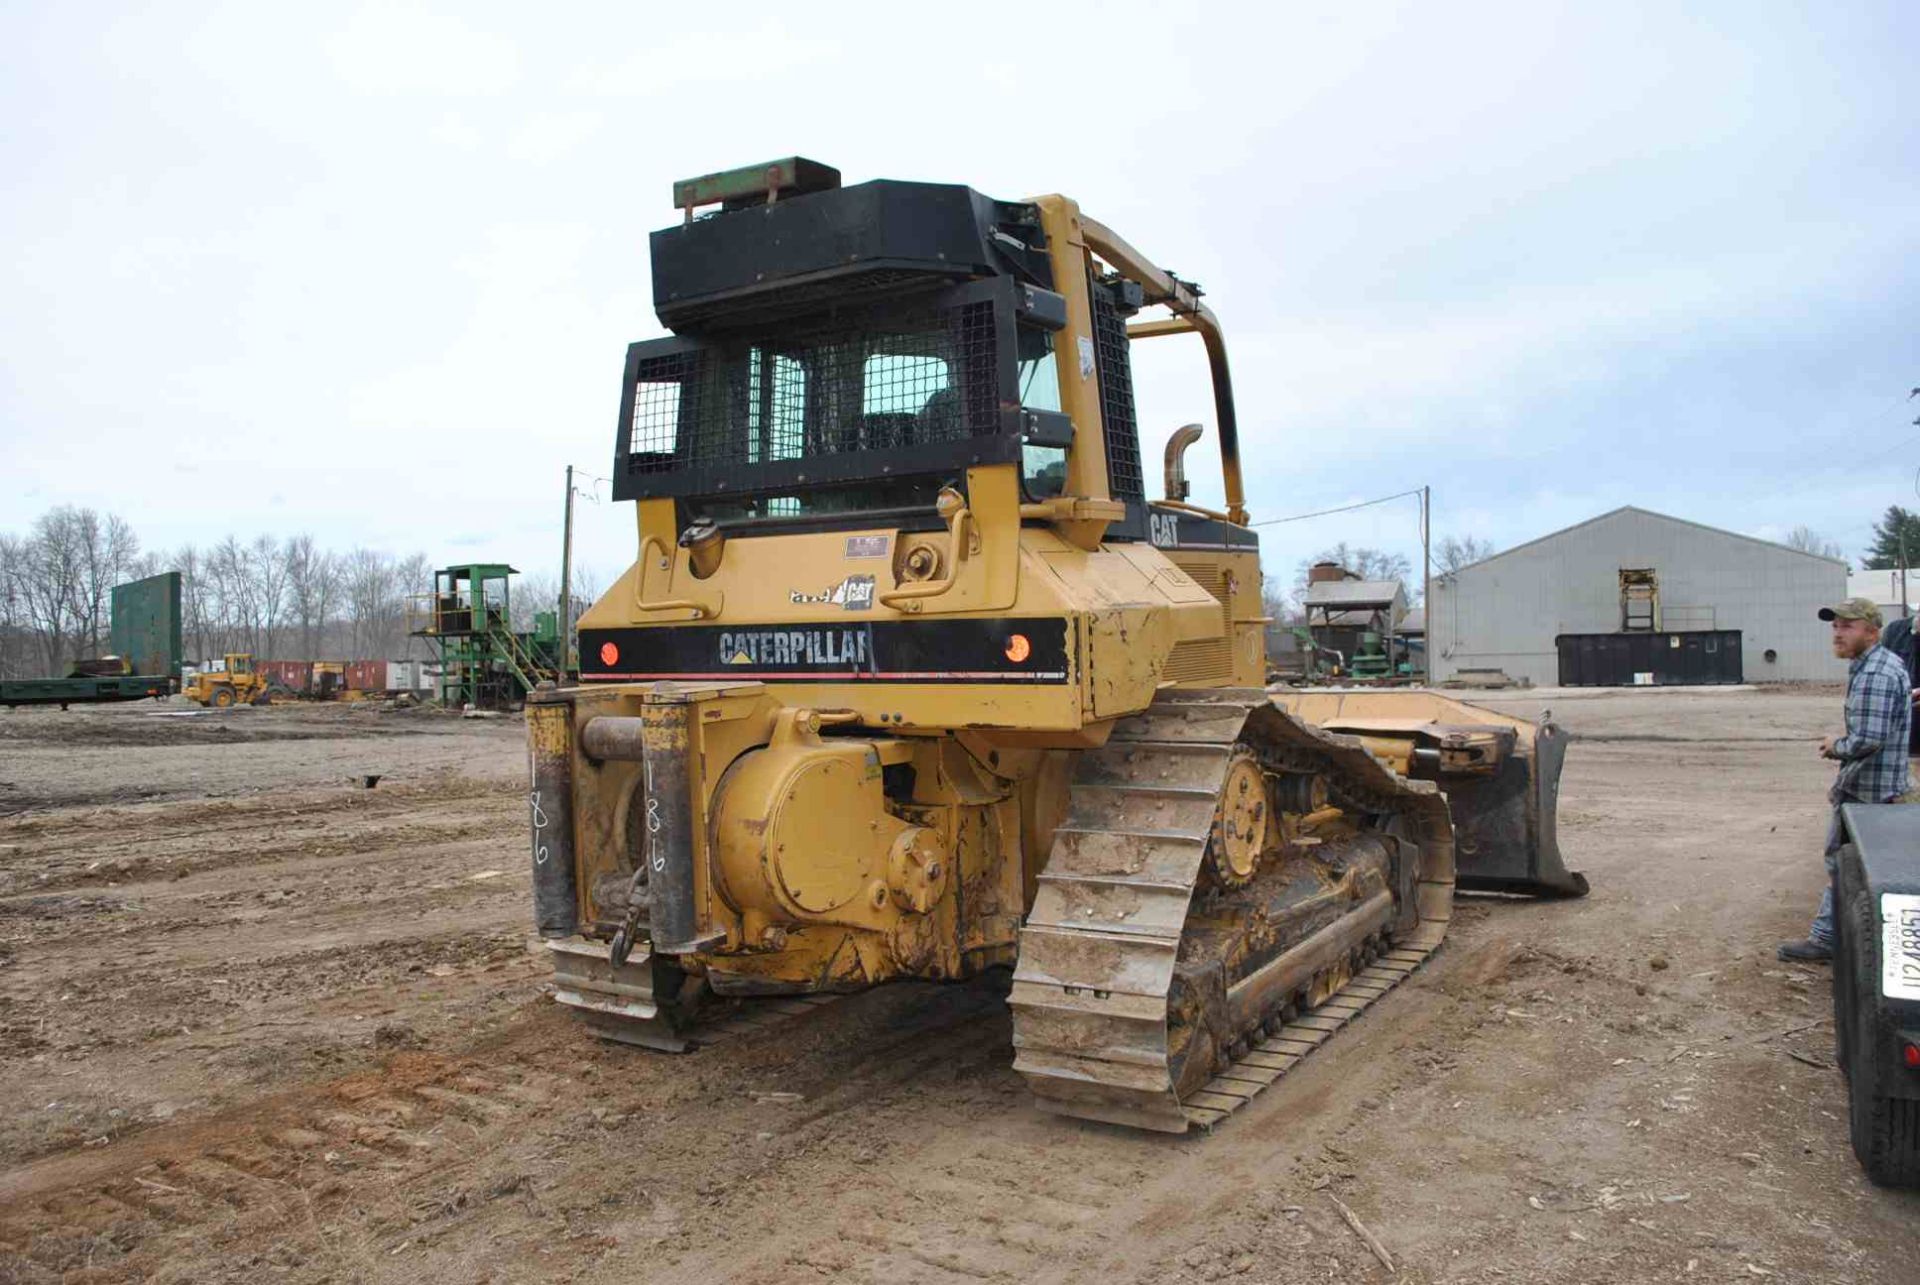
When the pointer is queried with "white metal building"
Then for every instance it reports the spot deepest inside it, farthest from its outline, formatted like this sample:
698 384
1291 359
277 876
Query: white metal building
1504 613
1884 588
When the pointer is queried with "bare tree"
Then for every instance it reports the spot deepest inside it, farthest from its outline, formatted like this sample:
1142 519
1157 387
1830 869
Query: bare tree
1452 553
56 584
1282 606
15 630
195 607
1807 540
370 584
106 549
413 582
268 575
313 581
1367 564
586 591
237 605
536 592
50 582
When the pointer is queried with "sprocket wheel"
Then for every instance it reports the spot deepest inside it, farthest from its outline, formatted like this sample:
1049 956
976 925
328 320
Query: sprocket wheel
1242 824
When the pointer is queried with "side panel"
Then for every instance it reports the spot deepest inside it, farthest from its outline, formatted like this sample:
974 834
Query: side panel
1014 650
146 624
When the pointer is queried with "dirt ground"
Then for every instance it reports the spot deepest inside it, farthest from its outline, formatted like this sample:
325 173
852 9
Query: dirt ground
261 1022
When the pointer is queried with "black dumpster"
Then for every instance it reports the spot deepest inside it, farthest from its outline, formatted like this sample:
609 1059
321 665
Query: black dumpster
1683 658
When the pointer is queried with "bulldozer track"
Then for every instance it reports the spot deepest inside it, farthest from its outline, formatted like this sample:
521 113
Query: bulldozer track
1264 1063
1094 1031
619 1004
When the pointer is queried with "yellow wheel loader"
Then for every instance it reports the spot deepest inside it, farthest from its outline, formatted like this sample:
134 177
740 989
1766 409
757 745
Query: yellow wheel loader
238 684
911 679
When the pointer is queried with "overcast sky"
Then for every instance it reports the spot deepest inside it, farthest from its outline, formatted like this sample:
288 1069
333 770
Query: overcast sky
370 273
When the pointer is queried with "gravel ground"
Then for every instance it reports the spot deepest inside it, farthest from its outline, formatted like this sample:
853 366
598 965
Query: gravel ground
263 1022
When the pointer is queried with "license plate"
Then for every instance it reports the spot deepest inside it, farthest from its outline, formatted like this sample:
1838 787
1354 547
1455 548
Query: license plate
1900 945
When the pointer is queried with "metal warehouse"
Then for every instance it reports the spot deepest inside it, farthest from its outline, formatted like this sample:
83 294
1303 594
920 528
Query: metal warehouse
1633 597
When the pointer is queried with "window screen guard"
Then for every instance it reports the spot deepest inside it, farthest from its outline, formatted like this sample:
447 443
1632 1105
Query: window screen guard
908 388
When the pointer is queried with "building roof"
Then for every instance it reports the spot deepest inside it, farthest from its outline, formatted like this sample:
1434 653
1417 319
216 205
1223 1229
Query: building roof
1415 621
1647 513
1884 586
1354 593
482 570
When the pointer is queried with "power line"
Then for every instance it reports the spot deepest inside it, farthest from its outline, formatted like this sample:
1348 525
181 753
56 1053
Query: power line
1345 508
1898 446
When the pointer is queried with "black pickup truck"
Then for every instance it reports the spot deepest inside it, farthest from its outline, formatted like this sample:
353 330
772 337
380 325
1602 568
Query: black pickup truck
1876 987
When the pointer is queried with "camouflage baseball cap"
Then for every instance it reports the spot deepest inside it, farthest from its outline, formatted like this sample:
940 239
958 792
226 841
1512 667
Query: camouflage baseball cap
1853 609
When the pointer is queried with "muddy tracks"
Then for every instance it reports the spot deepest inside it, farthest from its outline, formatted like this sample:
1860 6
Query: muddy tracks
285 1170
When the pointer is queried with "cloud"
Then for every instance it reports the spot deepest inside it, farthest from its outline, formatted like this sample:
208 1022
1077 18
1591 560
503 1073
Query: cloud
705 60
549 136
386 49
453 130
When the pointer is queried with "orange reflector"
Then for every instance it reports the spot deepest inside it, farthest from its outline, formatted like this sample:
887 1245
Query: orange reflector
609 654
1018 648
1912 1055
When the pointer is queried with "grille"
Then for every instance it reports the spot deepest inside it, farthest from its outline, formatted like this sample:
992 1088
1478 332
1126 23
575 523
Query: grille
913 379
1124 477
1199 660
833 290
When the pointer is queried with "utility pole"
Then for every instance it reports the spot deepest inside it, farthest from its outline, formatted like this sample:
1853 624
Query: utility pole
566 586
1426 584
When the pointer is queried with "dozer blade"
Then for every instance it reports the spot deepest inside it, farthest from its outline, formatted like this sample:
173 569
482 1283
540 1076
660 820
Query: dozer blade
1501 776
1503 825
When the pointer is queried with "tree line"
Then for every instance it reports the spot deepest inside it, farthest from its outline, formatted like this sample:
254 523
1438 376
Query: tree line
276 598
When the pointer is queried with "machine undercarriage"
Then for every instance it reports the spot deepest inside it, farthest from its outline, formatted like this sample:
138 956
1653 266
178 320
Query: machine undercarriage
910 680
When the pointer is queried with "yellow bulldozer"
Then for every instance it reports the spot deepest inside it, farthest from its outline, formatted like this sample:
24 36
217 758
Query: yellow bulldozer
912 680
238 683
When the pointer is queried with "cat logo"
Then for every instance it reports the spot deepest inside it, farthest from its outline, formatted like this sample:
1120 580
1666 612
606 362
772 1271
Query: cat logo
855 593
1163 530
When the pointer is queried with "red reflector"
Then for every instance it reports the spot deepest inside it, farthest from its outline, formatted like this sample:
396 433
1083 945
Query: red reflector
1018 648
1912 1055
609 654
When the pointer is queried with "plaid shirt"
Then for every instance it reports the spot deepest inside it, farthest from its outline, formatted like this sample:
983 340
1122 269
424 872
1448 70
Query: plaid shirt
1873 753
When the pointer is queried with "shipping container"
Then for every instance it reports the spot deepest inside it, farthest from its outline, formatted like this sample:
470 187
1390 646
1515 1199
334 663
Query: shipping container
294 675
367 675
1689 658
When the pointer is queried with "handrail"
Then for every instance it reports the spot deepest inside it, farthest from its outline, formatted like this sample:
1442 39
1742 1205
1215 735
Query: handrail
520 660
1164 287
699 609
957 518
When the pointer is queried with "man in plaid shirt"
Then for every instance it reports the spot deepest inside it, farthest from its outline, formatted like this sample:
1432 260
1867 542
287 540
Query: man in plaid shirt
1873 753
